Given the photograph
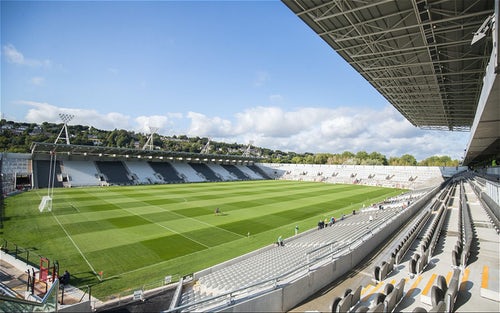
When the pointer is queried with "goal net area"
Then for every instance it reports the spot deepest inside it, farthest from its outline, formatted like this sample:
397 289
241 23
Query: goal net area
45 204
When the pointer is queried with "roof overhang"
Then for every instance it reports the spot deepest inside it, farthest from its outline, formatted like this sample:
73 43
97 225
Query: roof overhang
418 55
42 150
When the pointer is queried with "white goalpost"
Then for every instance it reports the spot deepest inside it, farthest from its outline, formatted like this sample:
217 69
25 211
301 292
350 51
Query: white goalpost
45 204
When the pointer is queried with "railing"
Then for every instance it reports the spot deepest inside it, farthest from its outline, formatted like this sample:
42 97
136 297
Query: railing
20 253
224 299
228 298
47 304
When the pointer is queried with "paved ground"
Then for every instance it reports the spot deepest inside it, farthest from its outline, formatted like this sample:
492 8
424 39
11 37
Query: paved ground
13 274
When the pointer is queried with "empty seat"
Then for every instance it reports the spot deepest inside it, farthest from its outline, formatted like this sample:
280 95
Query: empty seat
388 288
347 291
390 302
335 304
376 273
345 303
356 295
440 307
384 270
362 309
441 283
378 308
379 298
437 294
400 289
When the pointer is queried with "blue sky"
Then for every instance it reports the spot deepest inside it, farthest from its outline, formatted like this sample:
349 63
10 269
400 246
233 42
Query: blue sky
234 71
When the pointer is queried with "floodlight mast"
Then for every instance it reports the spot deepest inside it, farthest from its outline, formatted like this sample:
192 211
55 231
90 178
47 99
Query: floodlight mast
248 150
65 118
149 143
206 148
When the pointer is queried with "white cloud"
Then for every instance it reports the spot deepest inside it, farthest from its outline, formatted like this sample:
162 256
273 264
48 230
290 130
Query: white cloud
204 126
16 57
147 123
44 112
303 130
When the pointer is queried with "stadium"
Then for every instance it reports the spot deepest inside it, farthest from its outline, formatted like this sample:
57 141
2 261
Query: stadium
148 230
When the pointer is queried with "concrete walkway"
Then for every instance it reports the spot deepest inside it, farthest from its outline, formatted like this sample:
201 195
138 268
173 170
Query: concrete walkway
14 275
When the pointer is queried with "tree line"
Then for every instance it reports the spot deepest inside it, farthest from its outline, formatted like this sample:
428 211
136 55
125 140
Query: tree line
18 137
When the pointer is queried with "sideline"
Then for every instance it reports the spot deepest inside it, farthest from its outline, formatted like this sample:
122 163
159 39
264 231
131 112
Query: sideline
76 246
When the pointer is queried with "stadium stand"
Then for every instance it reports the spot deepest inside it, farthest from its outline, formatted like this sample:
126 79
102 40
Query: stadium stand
189 173
205 171
115 172
249 172
452 226
407 177
221 172
428 231
41 169
143 172
235 172
259 171
81 173
166 172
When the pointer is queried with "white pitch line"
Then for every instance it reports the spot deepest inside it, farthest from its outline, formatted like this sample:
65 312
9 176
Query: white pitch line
76 246
162 226
185 217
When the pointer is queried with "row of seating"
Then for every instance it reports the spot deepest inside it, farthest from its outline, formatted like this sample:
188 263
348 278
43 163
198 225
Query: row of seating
465 226
385 301
381 272
275 261
402 176
408 239
388 300
76 173
443 295
347 301
420 260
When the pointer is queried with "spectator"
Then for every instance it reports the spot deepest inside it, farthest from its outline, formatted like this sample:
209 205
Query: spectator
280 242
64 279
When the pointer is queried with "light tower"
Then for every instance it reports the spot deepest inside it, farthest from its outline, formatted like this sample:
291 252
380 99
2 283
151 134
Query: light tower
65 118
149 143
206 148
248 150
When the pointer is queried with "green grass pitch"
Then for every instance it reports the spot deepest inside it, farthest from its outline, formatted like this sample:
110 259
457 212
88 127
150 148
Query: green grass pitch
138 235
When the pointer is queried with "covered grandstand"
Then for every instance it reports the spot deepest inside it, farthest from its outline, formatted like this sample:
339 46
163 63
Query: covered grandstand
418 54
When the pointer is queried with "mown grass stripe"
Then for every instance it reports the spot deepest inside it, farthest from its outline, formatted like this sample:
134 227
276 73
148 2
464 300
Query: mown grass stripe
117 230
